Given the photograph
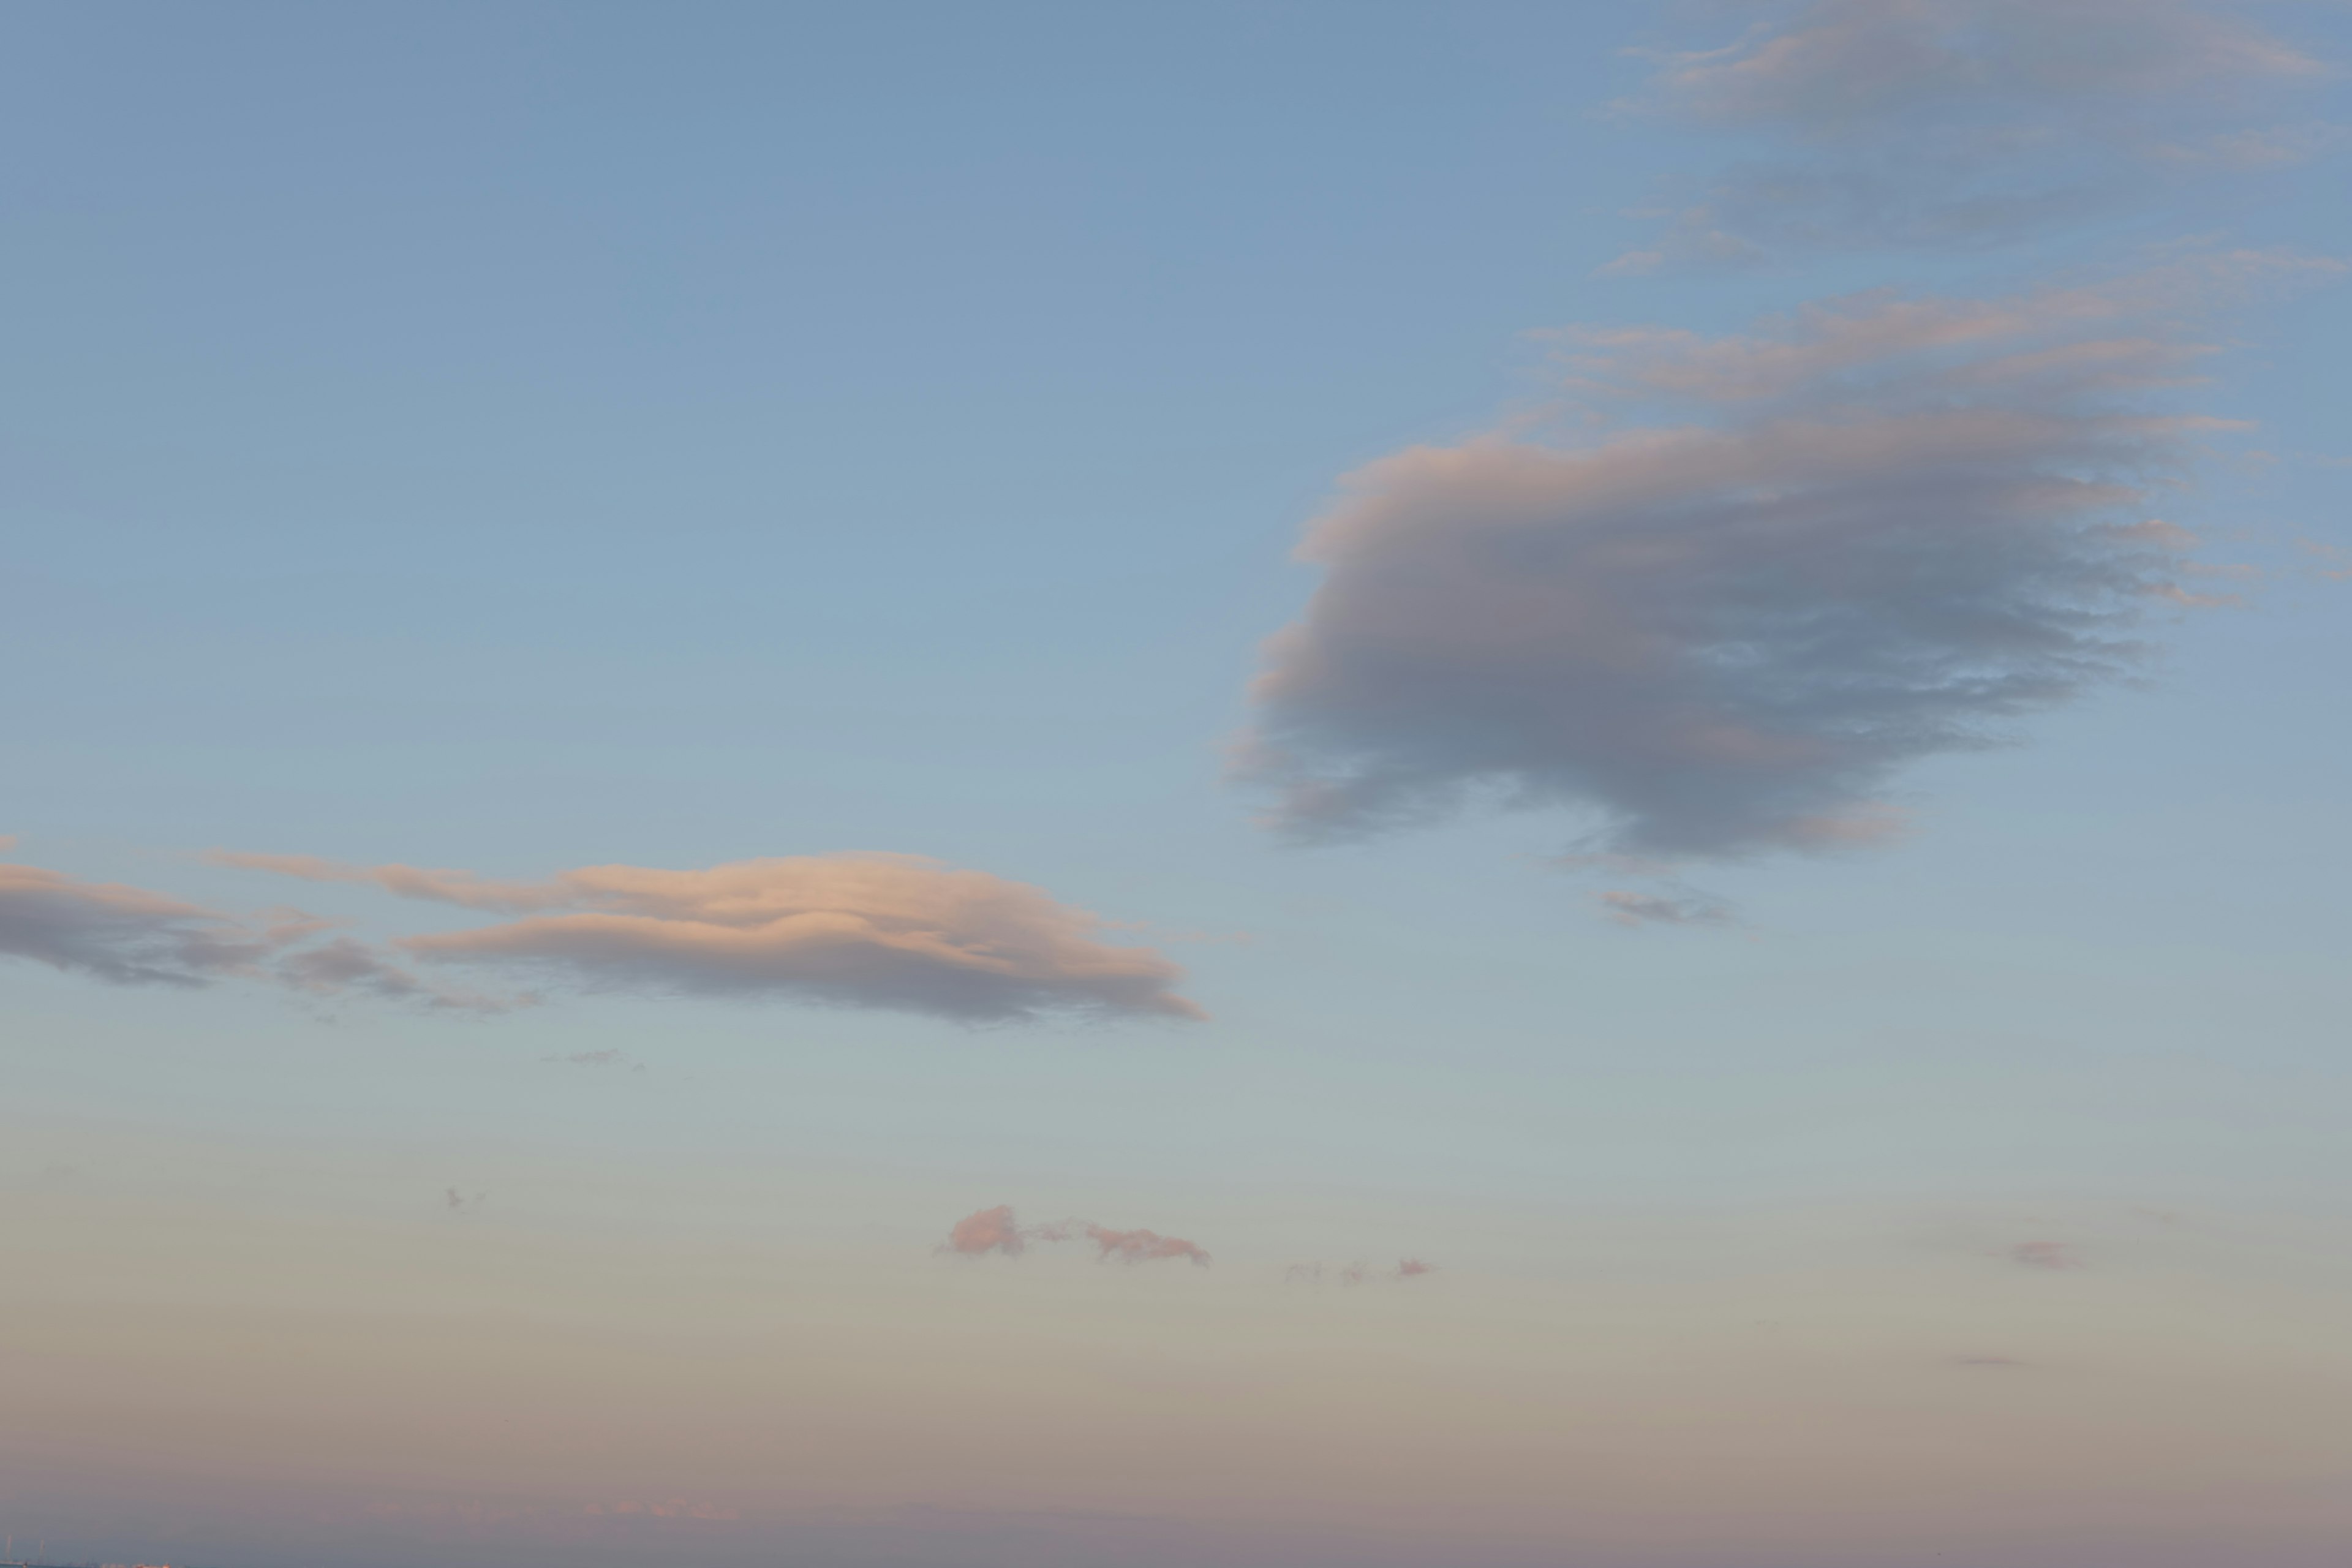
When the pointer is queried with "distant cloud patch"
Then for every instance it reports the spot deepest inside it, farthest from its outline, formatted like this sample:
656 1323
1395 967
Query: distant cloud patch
996 1230
1351 1275
2046 1255
1637 909
1943 124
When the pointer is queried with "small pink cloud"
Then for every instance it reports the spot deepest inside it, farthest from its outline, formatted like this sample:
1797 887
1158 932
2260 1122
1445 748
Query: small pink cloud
989 1230
1358 1273
2045 1255
996 1230
1141 1245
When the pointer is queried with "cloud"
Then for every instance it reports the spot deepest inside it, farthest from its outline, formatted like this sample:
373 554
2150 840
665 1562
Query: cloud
132 936
895 931
1940 123
1878 530
120 934
2045 1255
1141 1245
996 1230
344 966
603 1059
1637 909
989 1230
1353 1274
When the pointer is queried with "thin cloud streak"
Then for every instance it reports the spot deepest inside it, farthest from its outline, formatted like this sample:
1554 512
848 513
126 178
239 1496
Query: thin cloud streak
130 936
996 1230
116 932
893 931
1879 530
1936 123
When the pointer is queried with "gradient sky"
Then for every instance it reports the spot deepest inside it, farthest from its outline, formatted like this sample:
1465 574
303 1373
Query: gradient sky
654 459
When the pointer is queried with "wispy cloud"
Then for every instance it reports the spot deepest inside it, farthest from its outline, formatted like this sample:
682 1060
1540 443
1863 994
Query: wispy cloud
1142 1246
132 936
2045 1255
996 1230
346 966
1942 122
1355 1274
895 931
121 934
1880 529
1634 910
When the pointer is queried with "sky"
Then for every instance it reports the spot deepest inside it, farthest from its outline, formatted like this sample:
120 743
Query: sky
1214 786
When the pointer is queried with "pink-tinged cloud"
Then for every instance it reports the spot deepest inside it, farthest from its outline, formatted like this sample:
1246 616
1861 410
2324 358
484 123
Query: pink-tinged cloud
1141 1245
989 1230
1942 123
895 931
1355 1274
996 1230
2045 1255
1877 530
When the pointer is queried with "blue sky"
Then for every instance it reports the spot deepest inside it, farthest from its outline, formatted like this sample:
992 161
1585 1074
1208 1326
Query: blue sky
533 437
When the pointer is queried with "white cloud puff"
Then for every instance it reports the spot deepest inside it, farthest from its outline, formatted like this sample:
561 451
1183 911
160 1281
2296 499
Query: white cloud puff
1882 528
895 931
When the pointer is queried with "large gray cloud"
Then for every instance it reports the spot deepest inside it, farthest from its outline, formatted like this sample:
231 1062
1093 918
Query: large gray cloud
1943 122
1879 530
894 931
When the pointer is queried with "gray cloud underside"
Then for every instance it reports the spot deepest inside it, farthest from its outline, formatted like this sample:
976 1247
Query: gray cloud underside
1882 530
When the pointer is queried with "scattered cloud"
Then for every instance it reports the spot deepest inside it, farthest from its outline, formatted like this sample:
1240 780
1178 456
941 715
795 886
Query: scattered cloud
1141 1245
989 1230
605 1059
996 1230
896 931
1879 529
345 966
1353 1274
2045 1255
1637 909
1936 123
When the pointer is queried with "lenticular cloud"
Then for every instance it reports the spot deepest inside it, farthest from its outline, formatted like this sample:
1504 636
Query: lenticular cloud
895 931
1879 530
